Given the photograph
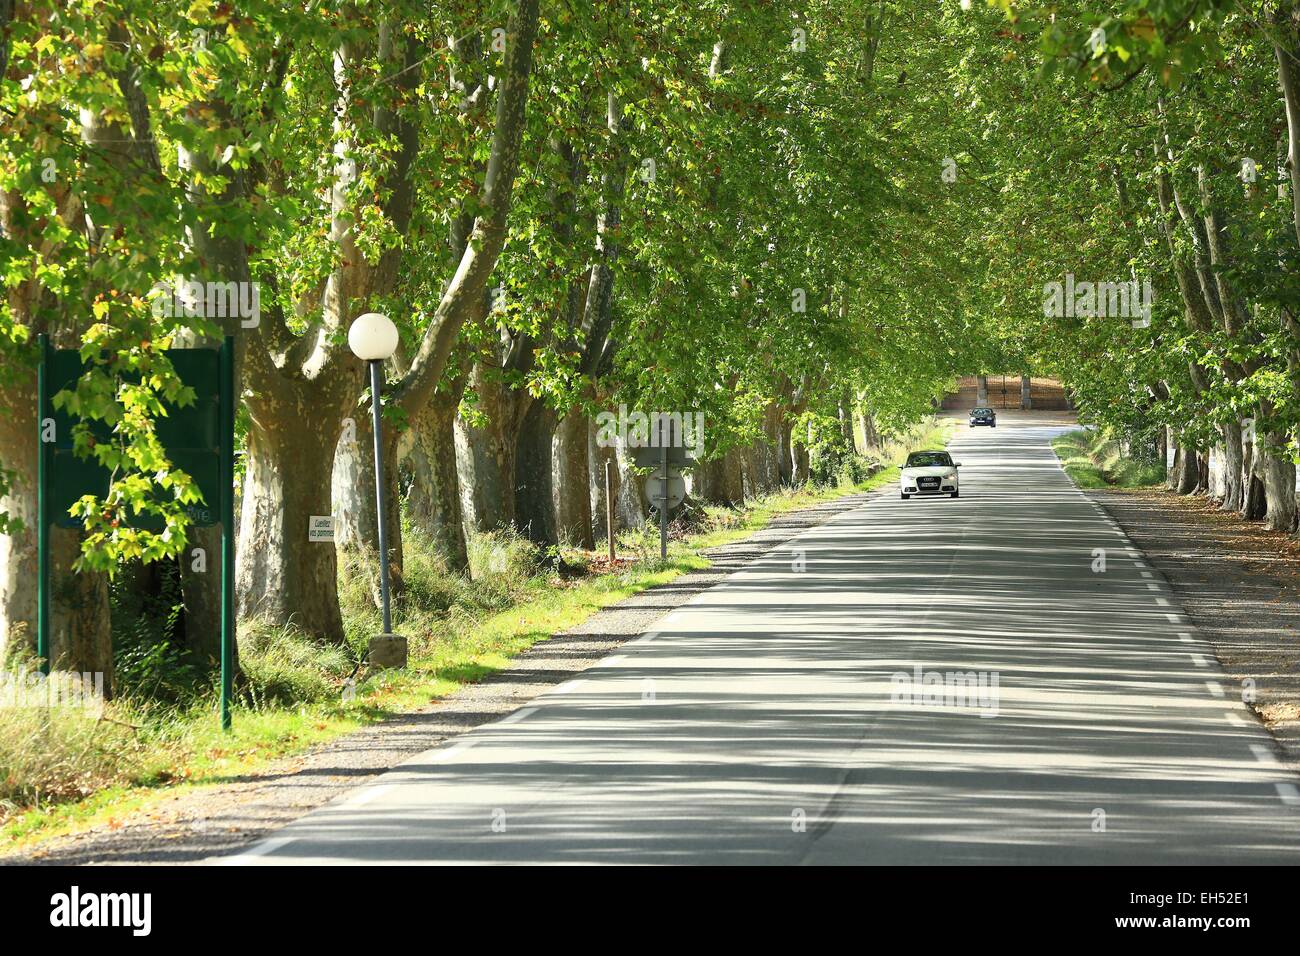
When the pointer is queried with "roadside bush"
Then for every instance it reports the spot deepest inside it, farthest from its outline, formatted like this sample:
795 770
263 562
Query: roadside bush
282 667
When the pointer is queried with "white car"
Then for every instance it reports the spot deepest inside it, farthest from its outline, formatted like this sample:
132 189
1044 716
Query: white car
929 473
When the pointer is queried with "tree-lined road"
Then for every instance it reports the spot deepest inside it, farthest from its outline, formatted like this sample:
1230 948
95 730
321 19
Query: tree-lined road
759 723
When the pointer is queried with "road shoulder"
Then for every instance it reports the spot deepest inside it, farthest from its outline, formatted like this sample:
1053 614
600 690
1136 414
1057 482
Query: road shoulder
1240 585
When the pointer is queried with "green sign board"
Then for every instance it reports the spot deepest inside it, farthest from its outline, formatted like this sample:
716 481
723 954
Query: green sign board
199 439
192 435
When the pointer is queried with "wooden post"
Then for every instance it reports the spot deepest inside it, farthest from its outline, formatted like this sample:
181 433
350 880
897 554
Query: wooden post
609 506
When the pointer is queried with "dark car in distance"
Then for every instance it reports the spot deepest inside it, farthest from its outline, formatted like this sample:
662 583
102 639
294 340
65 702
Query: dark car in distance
983 416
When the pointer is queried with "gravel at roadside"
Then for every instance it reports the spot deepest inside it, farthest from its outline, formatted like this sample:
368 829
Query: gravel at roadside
222 819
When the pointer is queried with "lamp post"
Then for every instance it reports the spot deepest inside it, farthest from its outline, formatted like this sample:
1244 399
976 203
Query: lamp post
373 339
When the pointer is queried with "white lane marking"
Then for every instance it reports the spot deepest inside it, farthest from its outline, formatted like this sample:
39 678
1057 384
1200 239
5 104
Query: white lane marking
1162 602
1151 586
1289 793
1264 755
568 686
1173 618
517 716
649 636
1145 574
1200 660
368 795
612 661
1185 637
1233 719
1215 688
451 751
261 849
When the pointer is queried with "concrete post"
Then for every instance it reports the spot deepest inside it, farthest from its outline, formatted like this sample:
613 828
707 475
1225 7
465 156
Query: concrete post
982 390
1025 400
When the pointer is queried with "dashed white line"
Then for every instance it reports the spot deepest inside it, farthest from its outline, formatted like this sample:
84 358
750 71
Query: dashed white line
1145 574
1289 793
1185 637
1151 586
1233 719
1215 688
1264 755
1174 619
1200 660
1162 602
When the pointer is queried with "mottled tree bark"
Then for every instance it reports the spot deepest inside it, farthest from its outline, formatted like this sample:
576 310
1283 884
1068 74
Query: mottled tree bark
534 510
19 566
433 504
573 506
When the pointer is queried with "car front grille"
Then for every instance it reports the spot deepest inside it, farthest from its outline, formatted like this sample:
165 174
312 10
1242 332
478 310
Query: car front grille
928 484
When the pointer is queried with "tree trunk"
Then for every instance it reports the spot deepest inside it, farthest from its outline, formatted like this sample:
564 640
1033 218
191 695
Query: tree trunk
81 638
283 576
1254 502
981 390
534 507
1232 461
433 505
1278 476
1025 386
1187 471
19 564
485 458
573 506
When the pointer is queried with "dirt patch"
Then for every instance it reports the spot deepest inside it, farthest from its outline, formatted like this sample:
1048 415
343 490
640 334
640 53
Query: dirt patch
1239 583
221 819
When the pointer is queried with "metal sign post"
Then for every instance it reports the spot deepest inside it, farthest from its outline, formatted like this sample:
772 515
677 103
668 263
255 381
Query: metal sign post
663 497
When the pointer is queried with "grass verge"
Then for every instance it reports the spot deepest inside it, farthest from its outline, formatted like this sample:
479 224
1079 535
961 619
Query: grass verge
1094 460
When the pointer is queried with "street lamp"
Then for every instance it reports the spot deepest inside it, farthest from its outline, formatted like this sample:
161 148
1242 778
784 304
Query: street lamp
373 339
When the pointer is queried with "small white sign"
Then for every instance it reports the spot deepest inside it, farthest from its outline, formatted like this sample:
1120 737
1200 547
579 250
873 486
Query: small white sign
320 528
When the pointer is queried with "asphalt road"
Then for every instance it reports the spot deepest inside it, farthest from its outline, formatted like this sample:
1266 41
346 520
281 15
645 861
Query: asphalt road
789 715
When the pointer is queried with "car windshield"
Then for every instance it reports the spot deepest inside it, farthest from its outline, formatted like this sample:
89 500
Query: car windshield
981 412
929 459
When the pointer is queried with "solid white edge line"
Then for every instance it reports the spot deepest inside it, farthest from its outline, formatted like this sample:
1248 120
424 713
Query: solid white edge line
367 796
451 751
260 849
517 716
